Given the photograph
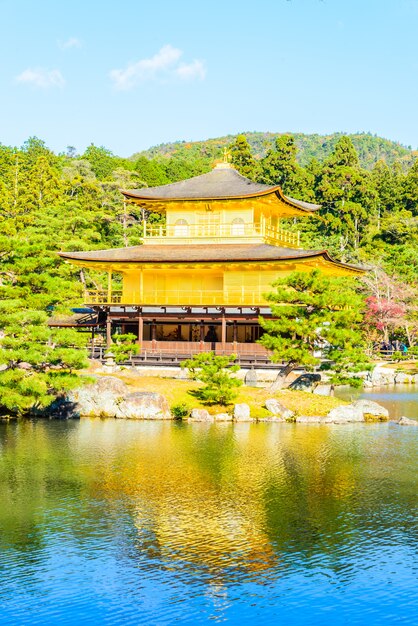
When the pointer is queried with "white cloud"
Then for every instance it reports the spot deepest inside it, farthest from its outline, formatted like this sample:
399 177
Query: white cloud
41 77
164 64
190 71
71 42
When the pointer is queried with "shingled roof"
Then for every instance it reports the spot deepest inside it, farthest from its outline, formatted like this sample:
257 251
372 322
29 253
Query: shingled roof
200 253
219 184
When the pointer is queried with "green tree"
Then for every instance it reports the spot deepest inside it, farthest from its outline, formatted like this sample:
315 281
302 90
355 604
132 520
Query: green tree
310 310
102 160
410 190
280 167
347 195
37 362
242 158
219 387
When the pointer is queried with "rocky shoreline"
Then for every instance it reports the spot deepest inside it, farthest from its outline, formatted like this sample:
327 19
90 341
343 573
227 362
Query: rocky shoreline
110 397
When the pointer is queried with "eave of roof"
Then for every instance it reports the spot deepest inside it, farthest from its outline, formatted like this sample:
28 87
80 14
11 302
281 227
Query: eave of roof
200 253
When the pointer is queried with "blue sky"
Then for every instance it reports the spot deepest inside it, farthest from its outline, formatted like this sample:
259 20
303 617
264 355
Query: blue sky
130 74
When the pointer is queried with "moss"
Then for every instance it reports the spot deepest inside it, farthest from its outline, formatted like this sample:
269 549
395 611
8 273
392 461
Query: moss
368 417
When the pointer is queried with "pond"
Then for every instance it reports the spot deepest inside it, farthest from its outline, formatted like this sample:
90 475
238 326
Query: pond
400 400
118 522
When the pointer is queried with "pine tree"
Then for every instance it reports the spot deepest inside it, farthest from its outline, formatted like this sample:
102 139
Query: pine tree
310 309
279 167
242 158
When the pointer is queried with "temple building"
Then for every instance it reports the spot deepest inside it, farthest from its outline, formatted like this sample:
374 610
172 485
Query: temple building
198 282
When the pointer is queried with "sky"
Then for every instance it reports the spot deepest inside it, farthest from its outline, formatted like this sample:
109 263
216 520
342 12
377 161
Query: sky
129 74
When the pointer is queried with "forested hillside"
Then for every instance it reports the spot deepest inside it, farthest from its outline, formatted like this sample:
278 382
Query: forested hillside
370 148
52 202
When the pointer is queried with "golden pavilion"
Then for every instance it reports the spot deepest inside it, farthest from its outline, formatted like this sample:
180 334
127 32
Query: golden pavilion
197 283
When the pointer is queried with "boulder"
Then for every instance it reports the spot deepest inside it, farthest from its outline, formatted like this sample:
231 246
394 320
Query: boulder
250 379
371 410
358 411
401 378
144 405
305 382
278 409
242 412
223 417
111 397
344 414
406 421
382 376
201 415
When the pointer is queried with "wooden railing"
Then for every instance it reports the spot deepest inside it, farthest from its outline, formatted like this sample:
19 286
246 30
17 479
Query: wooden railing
217 233
240 296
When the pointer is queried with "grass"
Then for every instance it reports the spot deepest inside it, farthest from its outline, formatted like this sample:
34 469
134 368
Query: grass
178 392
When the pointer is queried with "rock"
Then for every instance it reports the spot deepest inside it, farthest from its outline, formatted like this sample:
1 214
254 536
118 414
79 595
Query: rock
305 382
24 366
371 410
250 379
324 390
406 421
309 419
242 412
273 419
401 378
344 414
144 405
201 415
110 397
358 411
223 417
277 408
382 376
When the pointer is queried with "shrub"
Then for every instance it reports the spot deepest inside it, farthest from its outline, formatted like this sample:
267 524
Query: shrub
215 372
180 411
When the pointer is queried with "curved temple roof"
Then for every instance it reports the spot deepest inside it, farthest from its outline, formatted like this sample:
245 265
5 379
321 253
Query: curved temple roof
201 253
220 184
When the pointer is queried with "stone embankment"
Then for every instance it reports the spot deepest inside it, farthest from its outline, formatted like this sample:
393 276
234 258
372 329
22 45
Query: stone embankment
111 397
382 376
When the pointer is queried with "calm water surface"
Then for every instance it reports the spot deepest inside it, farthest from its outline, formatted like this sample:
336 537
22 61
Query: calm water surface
117 522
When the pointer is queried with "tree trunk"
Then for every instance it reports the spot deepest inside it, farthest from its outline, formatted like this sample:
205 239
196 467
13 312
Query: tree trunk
277 384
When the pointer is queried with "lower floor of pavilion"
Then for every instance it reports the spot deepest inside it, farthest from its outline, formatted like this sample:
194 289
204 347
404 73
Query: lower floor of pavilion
178 333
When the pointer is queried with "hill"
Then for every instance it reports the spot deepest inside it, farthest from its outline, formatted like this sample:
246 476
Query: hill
370 148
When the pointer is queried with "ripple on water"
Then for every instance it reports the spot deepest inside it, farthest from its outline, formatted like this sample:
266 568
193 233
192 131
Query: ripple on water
133 523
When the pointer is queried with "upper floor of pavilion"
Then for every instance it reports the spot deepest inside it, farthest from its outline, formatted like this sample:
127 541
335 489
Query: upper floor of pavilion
221 206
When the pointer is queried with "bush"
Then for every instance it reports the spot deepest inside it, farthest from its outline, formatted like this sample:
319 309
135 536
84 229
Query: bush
215 372
124 347
180 411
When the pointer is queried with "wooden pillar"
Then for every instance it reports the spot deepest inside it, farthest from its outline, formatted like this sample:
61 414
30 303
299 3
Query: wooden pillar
92 342
202 334
140 327
154 334
223 331
235 335
108 331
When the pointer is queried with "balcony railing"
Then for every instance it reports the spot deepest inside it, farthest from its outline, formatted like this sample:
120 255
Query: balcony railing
179 297
221 233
